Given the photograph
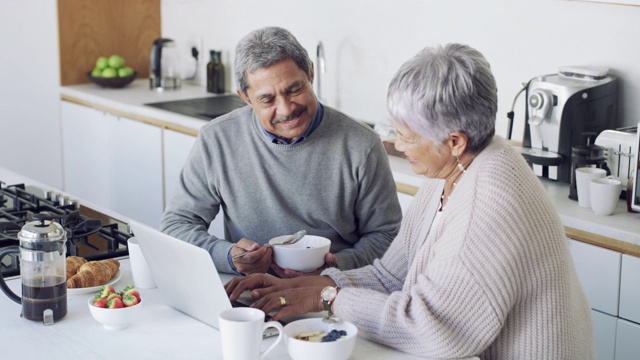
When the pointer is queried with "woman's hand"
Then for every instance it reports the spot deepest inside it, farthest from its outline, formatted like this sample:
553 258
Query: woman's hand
258 260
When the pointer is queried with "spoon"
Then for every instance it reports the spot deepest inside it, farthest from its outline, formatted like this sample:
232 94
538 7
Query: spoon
290 240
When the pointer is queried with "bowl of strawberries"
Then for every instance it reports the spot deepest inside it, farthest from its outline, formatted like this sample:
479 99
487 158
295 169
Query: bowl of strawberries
115 310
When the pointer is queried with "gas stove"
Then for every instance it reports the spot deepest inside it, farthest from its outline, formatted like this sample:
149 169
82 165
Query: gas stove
90 234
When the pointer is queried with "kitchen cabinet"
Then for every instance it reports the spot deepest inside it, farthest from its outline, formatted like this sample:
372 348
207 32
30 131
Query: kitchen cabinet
599 273
630 289
176 149
610 281
113 162
604 335
627 340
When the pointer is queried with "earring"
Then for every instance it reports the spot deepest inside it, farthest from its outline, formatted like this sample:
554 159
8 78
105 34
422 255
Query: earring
460 166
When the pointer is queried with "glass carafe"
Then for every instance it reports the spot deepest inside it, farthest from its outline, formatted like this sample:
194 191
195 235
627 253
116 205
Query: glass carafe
42 270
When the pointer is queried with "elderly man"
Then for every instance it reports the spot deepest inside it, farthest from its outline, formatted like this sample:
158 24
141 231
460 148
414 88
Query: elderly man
281 164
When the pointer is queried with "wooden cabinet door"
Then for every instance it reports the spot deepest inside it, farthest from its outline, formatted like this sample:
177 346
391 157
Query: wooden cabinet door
599 273
630 289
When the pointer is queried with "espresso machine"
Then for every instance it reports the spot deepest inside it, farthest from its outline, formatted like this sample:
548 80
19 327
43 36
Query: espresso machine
564 114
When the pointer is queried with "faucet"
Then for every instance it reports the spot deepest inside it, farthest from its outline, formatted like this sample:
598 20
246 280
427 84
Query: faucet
321 68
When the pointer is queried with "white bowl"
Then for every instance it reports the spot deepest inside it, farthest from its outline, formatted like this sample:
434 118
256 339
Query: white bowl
340 349
304 256
115 319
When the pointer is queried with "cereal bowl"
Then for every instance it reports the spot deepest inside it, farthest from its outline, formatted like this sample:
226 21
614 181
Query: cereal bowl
304 256
339 349
115 319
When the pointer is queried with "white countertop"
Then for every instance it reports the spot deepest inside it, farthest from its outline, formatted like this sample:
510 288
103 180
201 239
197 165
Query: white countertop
131 99
621 225
160 332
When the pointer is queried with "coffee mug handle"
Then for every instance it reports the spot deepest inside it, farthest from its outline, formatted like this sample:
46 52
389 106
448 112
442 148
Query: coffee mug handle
277 325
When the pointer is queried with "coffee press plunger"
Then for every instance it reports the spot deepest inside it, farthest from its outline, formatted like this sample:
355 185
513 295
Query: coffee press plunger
42 270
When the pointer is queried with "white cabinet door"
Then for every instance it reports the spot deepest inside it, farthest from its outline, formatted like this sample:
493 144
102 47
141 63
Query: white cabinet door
599 273
627 341
85 153
135 170
113 162
630 289
604 335
405 201
176 149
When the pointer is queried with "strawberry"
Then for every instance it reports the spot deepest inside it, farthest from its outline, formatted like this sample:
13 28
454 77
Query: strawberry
129 300
114 295
115 303
100 302
132 291
105 291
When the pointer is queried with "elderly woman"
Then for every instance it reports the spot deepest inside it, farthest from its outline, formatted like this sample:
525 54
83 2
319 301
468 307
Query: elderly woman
480 266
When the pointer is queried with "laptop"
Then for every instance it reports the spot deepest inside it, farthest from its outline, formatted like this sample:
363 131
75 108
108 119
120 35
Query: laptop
186 276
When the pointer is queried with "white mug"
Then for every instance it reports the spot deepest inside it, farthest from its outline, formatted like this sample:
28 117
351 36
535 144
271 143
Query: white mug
241 332
583 178
142 277
605 195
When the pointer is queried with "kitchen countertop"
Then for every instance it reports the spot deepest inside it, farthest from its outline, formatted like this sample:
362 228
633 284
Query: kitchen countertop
159 332
620 231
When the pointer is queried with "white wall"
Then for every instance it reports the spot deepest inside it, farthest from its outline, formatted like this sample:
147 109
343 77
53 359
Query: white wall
367 40
29 95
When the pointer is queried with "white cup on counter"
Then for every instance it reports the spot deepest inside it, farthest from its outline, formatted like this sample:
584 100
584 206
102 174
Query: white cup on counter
241 333
142 277
584 175
604 195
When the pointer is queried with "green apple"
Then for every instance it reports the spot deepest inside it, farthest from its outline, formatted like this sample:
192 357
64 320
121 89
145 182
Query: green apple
102 63
96 72
109 73
125 71
116 61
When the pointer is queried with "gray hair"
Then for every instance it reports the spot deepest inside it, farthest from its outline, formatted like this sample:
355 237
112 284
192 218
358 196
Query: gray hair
265 47
446 89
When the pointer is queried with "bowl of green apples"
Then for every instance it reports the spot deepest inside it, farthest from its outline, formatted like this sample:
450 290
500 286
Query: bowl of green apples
111 72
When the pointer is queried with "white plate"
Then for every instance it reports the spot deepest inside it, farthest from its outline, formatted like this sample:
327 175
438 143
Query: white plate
87 290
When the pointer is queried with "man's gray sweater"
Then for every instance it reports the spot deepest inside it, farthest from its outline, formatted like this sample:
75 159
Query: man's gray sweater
337 183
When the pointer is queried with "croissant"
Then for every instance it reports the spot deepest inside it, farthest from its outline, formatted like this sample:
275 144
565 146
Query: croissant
73 265
94 273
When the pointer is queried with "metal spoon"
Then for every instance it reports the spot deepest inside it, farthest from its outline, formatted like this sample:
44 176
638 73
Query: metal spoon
290 240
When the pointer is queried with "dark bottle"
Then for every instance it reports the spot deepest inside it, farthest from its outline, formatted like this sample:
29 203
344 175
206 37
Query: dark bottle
215 73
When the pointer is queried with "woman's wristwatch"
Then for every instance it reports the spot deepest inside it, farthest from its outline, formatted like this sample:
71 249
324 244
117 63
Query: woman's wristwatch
328 295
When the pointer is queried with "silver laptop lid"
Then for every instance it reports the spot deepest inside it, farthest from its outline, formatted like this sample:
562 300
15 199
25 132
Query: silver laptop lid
185 274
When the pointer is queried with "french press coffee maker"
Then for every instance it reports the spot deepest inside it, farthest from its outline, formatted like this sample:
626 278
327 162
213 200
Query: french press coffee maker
42 270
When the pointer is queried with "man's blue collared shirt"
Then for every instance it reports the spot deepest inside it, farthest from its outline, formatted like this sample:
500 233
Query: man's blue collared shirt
317 118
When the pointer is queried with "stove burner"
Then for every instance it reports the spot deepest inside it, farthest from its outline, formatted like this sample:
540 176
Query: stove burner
86 236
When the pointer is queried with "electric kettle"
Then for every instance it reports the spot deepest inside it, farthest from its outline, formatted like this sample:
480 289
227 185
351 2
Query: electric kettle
165 65
43 273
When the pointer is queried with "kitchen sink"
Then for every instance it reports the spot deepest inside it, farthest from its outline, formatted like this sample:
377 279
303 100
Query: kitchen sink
206 108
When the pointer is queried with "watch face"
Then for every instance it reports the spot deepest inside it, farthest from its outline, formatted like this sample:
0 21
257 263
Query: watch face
329 293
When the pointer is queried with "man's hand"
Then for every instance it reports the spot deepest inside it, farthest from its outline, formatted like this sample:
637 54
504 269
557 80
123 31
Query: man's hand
300 295
330 260
257 261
